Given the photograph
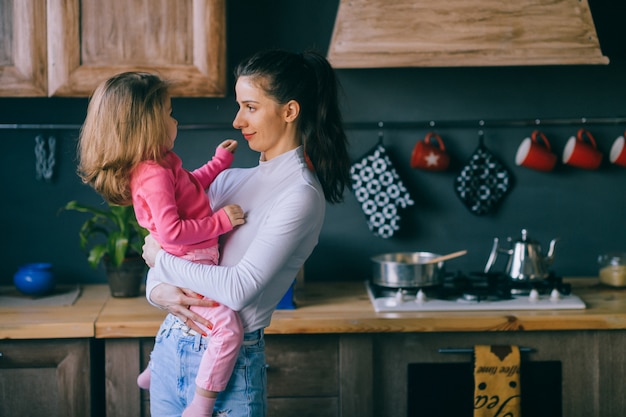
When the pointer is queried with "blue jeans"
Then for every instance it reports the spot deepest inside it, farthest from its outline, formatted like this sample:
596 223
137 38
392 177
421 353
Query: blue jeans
174 363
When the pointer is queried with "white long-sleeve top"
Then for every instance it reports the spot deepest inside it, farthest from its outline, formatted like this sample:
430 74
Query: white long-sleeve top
284 205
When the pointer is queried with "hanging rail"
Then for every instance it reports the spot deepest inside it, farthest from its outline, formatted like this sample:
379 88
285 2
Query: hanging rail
487 123
377 125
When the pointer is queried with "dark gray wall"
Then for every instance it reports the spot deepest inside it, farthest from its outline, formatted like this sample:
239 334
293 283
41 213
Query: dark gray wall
585 209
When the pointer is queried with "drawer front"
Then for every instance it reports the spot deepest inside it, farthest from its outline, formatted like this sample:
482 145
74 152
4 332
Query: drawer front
302 365
45 378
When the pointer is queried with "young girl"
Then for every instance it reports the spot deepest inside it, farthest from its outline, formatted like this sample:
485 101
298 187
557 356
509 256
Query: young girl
125 151
289 113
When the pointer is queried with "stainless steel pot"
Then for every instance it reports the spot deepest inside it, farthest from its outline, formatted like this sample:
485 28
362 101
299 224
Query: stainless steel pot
407 270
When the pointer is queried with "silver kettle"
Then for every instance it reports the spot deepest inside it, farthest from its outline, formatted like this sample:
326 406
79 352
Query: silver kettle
526 262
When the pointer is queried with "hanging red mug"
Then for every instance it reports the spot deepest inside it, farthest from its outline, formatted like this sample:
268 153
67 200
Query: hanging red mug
534 154
430 157
581 153
618 151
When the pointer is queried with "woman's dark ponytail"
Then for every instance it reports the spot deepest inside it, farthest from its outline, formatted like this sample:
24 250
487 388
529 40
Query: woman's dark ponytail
325 141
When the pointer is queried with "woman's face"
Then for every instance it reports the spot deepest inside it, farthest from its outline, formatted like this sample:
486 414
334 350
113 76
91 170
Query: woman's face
269 127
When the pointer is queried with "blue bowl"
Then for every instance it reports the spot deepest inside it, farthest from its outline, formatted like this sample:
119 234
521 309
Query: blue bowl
34 279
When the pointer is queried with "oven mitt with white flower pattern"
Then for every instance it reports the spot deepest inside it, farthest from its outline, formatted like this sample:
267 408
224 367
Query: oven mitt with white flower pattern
380 191
483 182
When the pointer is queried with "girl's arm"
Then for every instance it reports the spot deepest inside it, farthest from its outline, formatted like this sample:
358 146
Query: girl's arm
156 193
222 159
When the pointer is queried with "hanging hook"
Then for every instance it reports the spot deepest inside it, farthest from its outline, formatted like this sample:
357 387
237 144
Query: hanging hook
481 137
380 133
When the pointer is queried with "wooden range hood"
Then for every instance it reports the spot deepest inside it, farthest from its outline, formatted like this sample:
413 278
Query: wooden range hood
453 33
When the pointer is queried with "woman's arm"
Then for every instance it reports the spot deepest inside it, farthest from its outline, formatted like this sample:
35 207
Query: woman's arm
171 298
287 235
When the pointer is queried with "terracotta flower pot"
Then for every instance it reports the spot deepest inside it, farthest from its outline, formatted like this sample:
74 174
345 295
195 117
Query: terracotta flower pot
126 280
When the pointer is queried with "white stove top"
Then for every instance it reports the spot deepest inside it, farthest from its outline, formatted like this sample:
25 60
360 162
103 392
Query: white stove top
418 302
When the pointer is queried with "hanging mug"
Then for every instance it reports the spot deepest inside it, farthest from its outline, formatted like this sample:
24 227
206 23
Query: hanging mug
582 154
430 157
618 151
534 154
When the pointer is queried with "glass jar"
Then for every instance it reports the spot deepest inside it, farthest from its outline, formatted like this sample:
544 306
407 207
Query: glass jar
613 269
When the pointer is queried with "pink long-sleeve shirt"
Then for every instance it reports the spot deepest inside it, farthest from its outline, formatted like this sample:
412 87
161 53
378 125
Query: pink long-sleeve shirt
172 203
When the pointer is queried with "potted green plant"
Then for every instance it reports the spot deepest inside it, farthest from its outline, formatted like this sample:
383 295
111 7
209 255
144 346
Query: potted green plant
114 238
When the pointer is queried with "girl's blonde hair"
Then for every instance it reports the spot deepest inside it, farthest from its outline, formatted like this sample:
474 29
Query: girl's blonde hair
125 125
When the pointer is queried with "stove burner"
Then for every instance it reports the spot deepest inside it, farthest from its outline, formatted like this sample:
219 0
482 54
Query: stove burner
543 286
477 287
476 292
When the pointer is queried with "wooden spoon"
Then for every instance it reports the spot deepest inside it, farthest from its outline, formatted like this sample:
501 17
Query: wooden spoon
445 257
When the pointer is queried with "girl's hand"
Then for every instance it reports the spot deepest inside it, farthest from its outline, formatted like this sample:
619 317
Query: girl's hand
150 249
229 145
235 214
178 300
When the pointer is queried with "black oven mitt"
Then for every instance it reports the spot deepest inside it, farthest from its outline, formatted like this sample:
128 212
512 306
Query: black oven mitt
380 191
483 182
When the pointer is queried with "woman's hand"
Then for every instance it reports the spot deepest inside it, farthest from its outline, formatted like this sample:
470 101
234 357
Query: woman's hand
178 300
150 249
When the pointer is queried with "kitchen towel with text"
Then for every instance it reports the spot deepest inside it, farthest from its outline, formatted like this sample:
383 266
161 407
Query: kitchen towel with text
380 191
497 390
483 182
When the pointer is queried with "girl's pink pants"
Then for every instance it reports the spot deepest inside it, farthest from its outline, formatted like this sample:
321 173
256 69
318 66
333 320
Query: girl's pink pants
224 339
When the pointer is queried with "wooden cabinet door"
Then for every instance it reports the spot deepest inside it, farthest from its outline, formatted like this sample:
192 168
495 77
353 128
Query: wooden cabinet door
182 41
302 375
45 378
23 64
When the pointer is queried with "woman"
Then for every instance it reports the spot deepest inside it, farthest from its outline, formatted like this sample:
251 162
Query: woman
289 112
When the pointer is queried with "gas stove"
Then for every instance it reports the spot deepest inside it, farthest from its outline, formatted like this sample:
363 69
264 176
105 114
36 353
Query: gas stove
477 292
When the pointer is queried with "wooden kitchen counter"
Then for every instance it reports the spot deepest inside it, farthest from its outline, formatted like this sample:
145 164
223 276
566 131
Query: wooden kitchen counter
55 321
344 307
350 337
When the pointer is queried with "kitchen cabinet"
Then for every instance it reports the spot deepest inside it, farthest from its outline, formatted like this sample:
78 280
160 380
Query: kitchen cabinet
331 354
23 65
307 375
67 47
593 365
319 375
124 359
50 362
51 378
315 374
332 375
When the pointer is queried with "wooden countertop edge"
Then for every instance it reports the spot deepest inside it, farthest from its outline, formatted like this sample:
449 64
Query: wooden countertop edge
66 330
500 322
316 325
